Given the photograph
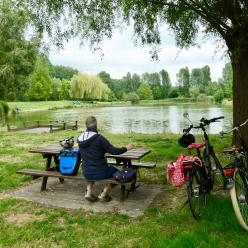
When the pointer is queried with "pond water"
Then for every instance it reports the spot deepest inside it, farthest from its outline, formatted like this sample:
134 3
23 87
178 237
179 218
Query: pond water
138 119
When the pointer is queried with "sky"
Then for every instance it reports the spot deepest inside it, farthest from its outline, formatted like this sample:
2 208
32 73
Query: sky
122 56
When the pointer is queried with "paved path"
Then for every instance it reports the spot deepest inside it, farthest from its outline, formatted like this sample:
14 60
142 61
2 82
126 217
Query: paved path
70 195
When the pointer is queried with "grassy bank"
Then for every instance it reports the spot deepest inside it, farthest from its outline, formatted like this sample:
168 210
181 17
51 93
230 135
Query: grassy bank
164 223
48 105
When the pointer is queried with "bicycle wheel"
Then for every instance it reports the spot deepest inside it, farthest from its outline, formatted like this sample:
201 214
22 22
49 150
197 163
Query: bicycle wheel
239 196
218 173
196 193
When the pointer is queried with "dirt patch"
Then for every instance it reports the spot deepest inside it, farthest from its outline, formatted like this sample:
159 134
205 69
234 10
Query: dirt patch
11 159
171 200
21 219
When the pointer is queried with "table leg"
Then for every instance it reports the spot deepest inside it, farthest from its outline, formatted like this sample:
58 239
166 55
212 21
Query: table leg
128 163
44 180
123 192
56 161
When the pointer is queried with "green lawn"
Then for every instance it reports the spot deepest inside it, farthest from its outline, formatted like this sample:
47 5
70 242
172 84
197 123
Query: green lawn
164 224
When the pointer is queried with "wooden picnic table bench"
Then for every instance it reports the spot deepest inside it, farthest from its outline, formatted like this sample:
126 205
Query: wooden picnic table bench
53 152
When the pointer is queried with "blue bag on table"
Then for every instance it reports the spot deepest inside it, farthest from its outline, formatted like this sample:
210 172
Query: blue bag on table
69 162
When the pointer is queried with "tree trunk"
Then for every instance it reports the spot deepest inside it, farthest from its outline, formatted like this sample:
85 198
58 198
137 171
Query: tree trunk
240 94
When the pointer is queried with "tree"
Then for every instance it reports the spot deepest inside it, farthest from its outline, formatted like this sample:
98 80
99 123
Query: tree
227 79
194 91
55 89
132 97
40 82
62 72
88 87
183 81
144 92
95 20
17 55
64 90
165 80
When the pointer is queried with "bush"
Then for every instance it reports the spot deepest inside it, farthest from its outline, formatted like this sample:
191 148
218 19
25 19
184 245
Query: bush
174 93
144 92
219 96
1 112
132 97
205 99
5 107
194 91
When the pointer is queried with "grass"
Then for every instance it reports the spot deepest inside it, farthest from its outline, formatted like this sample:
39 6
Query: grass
164 224
49 105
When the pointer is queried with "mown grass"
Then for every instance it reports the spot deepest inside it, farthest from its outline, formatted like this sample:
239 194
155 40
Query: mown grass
164 224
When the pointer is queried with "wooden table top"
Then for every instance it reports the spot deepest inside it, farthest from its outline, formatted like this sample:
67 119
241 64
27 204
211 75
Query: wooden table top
134 154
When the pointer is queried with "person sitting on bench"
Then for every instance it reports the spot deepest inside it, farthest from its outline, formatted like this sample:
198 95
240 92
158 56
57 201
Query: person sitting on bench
93 147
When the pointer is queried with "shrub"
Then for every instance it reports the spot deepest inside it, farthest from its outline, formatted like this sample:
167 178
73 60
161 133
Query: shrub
174 93
1 112
219 96
144 92
194 91
5 107
132 97
205 99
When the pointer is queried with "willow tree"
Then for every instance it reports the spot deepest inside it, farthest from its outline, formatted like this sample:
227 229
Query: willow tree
95 20
88 87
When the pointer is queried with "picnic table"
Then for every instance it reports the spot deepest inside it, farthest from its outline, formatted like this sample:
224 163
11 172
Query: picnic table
51 153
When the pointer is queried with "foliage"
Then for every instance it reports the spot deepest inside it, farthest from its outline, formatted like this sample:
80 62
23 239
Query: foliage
5 107
194 91
219 96
132 97
64 90
62 72
111 96
174 92
40 82
227 79
55 89
166 83
18 55
183 81
144 92
204 98
200 77
88 87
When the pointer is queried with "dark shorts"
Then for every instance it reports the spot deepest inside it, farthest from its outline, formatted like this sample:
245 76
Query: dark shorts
108 173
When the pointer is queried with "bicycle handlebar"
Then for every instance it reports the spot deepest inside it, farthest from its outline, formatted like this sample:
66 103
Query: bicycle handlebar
203 122
207 122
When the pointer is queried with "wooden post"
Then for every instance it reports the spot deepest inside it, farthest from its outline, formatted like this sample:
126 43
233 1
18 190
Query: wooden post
76 125
38 123
8 127
24 124
64 125
51 128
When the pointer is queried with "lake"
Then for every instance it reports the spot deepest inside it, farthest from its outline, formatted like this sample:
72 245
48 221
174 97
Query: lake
138 119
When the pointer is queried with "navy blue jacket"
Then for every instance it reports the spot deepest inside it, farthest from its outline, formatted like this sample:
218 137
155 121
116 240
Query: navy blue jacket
93 147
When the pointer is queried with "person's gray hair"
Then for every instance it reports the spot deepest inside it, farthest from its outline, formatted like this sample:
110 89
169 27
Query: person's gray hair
91 122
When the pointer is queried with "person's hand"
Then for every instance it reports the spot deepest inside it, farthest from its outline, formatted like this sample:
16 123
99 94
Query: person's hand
129 146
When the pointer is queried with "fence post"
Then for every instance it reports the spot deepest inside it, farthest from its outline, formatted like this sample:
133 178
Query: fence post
76 125
38 123
24 124
51 128
8 127
64 125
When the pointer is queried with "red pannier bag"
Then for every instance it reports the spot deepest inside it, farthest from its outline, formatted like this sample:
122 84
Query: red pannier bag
176 170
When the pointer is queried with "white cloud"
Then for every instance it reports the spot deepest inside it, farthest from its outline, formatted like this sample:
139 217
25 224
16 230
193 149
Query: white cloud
121 56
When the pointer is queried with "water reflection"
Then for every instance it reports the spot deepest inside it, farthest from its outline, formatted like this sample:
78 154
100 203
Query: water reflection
138 119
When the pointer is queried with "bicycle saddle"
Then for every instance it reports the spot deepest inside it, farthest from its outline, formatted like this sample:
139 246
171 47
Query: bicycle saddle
195 146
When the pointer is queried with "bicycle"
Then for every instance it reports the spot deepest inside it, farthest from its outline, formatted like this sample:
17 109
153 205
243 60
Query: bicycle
237 176
200 178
